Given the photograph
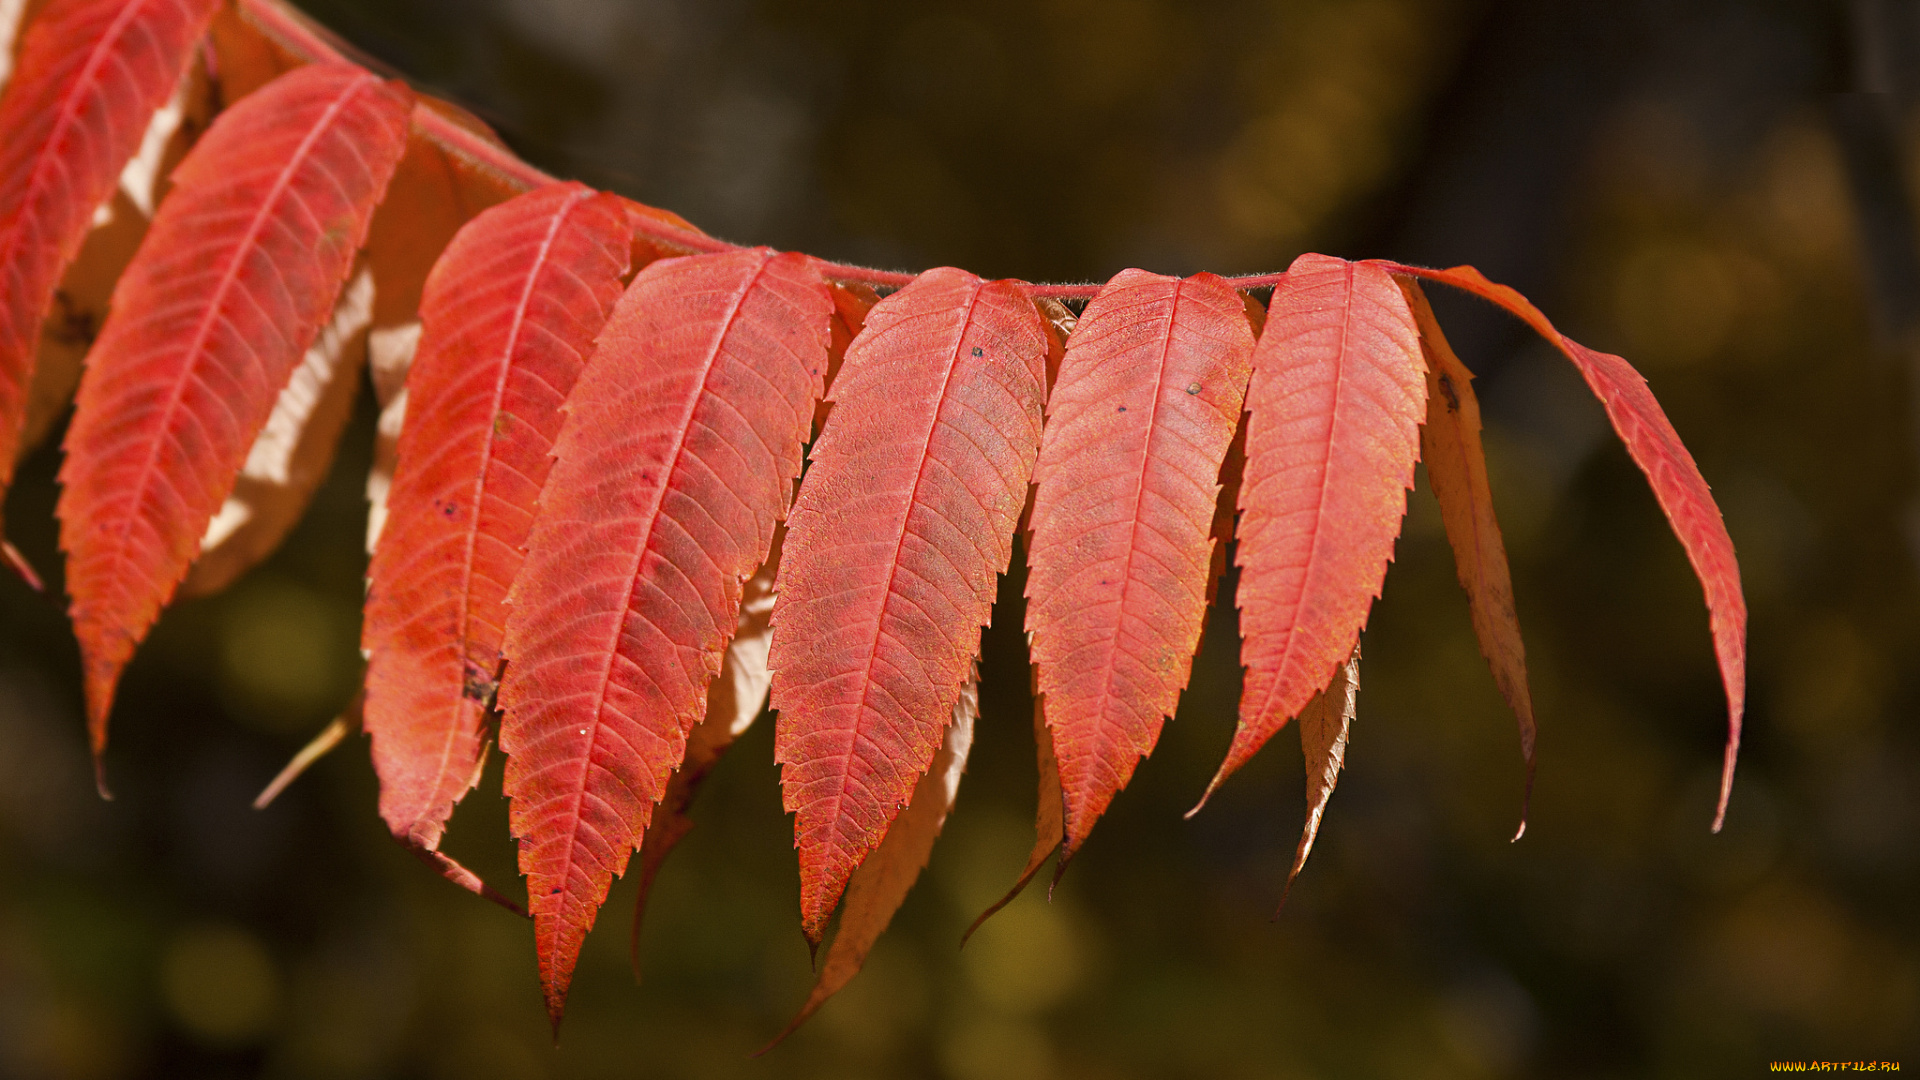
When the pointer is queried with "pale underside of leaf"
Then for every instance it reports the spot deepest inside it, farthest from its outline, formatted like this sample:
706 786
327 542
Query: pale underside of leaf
1334 408
1676 481
13 14
1126 487
880 886
510 314
675 461
903 524
241 268
1457 469
293 451
1324 725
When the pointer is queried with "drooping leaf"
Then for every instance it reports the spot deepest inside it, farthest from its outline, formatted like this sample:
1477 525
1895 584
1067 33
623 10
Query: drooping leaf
91 74
1457 469
1125 489
675 461
1682 492
880 886
903 523
735 700
240 270
1324 725
510 314
1333 414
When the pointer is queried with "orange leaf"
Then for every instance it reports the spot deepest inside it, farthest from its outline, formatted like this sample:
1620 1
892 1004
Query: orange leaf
903 524
1676 481
1334 410
510 313
240 270
1125 489
675 461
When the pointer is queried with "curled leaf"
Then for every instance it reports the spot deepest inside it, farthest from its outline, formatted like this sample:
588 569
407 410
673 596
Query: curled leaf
1324 726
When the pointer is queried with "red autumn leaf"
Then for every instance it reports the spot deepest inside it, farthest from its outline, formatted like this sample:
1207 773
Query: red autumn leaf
1677 484
509 313
1333 418
880 886
238 273
1138 424
1457 469
1324 725
675 461
903 524
90 76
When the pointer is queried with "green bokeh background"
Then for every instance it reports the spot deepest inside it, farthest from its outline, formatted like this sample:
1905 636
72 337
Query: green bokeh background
1669 180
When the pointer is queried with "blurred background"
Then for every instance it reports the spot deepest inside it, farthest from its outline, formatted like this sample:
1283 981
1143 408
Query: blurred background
1720 190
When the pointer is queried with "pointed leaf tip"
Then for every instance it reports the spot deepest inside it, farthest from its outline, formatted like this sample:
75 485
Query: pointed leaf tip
1324 726
880 885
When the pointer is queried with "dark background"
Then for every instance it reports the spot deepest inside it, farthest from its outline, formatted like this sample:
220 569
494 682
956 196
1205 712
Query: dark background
1720 191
